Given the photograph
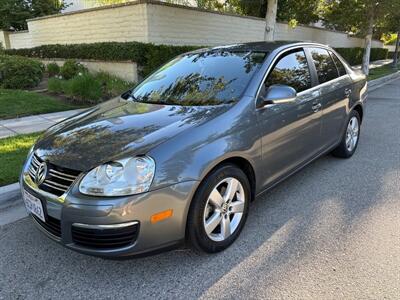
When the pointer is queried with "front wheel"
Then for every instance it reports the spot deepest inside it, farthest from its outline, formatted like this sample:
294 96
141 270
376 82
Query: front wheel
349 142
219 209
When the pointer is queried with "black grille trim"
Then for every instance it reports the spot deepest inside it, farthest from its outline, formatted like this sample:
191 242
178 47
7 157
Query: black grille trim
109 238
58 179
52 225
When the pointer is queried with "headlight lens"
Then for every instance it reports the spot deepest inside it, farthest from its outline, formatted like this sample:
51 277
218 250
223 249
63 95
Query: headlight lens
119 178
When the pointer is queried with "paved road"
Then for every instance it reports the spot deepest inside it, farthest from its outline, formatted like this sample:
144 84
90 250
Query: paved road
332 231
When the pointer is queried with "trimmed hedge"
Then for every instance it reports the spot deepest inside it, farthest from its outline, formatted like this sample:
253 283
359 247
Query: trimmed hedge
17 72
354 56
147 56
391 55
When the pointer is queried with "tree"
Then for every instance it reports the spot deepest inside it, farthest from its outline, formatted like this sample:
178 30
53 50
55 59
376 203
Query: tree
270 20
14 13
360 17
391 28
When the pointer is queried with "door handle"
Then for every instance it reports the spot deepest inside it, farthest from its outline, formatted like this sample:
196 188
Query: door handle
316 107
347 92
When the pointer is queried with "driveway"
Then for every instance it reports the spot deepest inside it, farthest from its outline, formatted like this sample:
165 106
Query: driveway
332 231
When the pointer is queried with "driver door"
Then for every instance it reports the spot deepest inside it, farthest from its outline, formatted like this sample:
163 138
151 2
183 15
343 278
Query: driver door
291 132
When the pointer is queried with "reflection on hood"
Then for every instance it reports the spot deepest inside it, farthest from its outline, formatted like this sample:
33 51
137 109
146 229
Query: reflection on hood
115 129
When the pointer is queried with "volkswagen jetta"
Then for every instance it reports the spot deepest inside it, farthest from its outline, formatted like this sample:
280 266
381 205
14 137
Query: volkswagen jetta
181 156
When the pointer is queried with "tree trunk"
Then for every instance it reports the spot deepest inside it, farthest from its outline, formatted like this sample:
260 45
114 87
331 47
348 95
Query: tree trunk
368 43
396 51
270 20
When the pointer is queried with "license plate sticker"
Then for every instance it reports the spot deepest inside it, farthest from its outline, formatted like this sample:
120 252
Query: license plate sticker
34 205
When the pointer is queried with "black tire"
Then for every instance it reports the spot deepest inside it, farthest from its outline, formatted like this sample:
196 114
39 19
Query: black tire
196 233
341 150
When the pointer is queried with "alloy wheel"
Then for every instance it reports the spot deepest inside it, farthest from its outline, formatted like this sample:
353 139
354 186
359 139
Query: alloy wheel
352 134
224 209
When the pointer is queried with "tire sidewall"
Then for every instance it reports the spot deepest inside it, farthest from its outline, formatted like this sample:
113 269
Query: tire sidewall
196 231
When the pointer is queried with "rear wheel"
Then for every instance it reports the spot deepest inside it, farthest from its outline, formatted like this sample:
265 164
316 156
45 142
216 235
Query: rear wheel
219 209
349 142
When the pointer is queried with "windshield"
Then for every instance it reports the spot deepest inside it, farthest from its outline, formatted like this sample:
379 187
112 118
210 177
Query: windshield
206 78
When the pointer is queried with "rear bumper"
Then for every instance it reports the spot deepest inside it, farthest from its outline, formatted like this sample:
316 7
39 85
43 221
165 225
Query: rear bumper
75 211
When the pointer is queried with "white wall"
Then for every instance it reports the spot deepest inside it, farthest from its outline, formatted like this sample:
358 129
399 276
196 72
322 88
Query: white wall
120 24
163 23
187 26
20 39
126 70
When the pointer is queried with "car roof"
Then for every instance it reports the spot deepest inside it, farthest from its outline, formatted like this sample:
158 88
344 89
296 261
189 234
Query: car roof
261 46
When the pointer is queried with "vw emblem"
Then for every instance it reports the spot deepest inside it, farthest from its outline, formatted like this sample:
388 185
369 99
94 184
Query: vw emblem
41 173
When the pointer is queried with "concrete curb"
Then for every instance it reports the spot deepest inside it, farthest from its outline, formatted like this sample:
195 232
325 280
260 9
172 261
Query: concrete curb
9 193
12 192
377 83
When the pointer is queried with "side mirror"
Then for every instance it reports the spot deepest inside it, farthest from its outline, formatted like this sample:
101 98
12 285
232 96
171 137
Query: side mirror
277 94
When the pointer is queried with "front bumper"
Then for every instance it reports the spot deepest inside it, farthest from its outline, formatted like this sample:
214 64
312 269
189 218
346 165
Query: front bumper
74 209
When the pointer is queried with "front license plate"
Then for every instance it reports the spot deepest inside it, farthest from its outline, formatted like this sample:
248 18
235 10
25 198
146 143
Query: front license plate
34 205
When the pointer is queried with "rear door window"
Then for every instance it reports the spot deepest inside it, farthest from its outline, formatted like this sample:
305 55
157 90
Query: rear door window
292 70
326 68
339 64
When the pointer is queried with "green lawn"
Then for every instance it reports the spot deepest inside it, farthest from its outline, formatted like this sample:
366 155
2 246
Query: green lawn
381 71
17 103
13 151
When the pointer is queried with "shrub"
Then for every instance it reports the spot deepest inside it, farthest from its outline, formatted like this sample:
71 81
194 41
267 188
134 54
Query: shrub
112 85
55 85
18 72
354 56
148 56
71 68
85 88
53 69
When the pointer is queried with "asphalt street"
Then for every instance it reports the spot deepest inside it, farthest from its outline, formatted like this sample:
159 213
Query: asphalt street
332 231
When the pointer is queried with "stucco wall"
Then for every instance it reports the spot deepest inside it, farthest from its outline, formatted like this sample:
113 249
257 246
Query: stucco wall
120 23
21 39
125 70
163 23
184 26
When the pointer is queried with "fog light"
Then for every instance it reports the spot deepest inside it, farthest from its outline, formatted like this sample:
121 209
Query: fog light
161 216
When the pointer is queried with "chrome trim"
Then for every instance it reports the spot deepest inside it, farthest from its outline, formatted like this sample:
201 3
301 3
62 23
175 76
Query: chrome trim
54 187
62 174
297 46
57 184
108 226
60 177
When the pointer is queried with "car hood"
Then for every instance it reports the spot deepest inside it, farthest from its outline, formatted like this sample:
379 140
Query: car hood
116 129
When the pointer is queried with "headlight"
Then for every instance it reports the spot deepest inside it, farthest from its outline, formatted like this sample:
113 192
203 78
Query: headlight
119 178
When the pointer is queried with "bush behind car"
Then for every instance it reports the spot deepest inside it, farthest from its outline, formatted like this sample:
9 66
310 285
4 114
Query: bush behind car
17 72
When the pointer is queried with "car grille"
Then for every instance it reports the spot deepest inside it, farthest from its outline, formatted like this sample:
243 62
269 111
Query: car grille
52 225
57 180
105 238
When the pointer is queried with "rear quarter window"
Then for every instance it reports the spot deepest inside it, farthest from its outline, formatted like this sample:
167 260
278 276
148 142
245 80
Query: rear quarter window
341 68
324 64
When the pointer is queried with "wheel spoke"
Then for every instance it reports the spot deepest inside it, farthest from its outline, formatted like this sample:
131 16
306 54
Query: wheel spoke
237 207
226 227
231 189
353 124
213 222
216 198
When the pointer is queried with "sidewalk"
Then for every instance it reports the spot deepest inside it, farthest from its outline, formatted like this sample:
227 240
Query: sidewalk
376 64
32 124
